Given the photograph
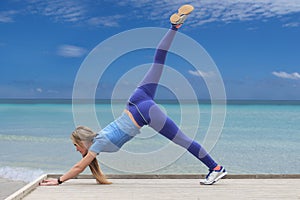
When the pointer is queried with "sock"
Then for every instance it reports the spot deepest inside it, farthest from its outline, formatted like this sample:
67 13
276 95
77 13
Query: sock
217 168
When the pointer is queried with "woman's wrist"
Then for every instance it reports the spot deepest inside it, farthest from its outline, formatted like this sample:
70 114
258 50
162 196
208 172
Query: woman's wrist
59 181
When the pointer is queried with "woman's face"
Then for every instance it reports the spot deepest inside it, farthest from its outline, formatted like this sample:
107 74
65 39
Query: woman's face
81 149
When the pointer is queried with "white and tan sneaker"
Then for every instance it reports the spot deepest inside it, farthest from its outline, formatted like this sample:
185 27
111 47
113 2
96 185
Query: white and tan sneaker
213 176
177 19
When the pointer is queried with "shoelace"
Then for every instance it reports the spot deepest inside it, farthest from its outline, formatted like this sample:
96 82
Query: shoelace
210 171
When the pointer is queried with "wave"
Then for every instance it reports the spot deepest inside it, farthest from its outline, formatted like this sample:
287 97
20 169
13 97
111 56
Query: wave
20 174
27 138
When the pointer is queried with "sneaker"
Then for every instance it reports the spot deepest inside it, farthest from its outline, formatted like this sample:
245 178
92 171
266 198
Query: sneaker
177 19
213 176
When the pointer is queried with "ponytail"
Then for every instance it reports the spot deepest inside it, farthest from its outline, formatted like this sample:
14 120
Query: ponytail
97 172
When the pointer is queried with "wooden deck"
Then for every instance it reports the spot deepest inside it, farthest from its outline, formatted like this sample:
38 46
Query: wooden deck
142 187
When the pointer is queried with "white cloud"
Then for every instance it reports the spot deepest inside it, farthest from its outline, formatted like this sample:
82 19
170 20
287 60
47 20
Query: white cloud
292 24
108 21
206 11
73 11
39 90
223 11
286 75
59 10
71 51
201 73
7 16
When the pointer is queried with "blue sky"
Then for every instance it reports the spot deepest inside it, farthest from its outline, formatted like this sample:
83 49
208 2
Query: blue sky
254 43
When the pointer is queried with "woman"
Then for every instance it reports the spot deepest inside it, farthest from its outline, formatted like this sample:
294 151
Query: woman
140 110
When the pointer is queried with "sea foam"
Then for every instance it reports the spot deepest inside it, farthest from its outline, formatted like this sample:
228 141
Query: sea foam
20 174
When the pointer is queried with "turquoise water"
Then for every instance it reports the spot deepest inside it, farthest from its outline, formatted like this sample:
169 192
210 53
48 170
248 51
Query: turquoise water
256 138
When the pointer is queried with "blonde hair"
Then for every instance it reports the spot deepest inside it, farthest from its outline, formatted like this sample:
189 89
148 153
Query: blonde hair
82 135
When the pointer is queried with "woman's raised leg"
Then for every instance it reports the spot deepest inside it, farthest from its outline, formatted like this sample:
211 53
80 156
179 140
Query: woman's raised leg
152 77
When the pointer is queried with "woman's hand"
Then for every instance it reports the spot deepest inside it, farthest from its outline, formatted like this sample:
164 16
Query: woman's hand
74 171
49 182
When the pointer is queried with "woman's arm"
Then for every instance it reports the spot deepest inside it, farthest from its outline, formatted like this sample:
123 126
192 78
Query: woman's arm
74 171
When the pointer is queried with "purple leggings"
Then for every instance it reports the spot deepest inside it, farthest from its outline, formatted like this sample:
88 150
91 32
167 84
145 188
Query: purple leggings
146 112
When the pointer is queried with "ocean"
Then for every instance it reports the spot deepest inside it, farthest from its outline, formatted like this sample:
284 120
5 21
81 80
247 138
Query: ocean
257 137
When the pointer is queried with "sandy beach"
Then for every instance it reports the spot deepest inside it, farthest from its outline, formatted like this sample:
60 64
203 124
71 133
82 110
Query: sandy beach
7 187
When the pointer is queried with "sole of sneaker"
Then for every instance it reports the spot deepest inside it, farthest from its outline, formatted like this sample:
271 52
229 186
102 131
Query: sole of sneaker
174 18
185 10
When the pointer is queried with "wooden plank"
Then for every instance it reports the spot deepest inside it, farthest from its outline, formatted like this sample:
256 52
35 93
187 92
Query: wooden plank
172 186
186 176
21 193
146 189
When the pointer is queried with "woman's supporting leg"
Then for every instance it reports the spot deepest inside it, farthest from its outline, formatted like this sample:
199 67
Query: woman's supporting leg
166 127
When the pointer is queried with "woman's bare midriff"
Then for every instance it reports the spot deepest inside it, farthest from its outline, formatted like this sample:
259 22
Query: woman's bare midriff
132 118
